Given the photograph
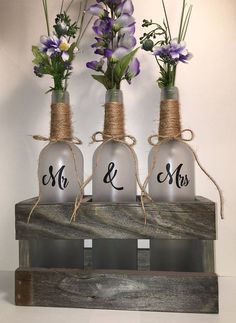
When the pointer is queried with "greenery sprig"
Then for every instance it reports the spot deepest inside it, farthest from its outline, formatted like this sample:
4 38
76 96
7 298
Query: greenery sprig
167 51
57 50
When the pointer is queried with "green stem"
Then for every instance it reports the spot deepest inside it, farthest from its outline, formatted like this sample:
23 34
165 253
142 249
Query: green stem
181 21
45 8
81 23
83 32
62 4
69 5
186 23
173 76
168 26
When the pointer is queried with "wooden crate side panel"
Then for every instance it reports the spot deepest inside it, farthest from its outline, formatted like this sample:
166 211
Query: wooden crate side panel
190 220
116 290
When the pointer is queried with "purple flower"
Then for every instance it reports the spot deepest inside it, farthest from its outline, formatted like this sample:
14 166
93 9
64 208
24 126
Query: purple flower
174 52
100 51
127 41
125 7
95 65
102 26
54 46
124 20
127 30
133 70
49 44
117 54
100 43
97 10
114 41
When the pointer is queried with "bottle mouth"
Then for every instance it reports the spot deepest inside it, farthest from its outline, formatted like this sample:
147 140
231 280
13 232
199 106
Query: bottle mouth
114 95
59 96
169 93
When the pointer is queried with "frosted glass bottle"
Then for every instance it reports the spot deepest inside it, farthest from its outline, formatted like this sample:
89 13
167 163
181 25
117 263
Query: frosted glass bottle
60 171
173 176
114 177
114 180
172 180
60 166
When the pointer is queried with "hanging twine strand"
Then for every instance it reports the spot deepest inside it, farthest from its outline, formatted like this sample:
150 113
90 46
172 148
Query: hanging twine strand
170 129
61 130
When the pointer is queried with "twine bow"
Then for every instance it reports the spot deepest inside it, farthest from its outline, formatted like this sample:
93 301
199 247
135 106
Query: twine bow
176 137
73 140
107 137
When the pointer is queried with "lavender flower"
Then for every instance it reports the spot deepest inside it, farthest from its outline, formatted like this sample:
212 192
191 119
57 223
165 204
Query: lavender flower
132 70
115 42
125 7
53 46
96 65
124 20
97 10
174 52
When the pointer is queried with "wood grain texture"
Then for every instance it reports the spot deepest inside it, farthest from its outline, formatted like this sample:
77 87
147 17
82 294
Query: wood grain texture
183 220
24 253
118 290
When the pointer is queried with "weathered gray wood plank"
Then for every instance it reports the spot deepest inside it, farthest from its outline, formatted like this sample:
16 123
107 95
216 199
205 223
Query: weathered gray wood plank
24 253
185 220
208 256
118 290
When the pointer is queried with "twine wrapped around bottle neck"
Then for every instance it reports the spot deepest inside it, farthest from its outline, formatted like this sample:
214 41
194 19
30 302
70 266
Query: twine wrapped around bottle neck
169 125
61 125
114 121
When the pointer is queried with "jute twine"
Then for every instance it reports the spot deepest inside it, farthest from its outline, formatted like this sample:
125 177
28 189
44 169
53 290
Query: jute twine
114 121
61 130
114 131
170 129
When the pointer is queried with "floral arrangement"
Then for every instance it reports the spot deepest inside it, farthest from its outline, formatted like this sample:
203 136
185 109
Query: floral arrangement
114 29
167 51
56 51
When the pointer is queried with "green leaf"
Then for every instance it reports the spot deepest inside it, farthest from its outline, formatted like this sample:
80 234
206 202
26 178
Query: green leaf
101 79
123 64
39 56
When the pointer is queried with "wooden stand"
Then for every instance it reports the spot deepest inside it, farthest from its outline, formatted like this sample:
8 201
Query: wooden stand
141 289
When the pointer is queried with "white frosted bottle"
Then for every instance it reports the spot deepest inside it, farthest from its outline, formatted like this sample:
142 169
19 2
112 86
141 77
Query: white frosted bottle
114 180
114 177
60 174
60 163
171 165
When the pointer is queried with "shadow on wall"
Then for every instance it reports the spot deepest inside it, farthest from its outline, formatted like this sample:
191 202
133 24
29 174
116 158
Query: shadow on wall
7 286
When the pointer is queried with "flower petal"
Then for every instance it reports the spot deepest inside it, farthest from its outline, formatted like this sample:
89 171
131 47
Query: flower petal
65 56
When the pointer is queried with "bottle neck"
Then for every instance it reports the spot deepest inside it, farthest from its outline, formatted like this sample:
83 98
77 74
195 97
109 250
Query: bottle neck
61 125
169 125
114 115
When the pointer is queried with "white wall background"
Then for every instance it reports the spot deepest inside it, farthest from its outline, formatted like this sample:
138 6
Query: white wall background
207 87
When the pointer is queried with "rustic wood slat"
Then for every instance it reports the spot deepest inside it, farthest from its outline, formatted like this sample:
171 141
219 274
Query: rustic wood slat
24 253
208 256
118 290
182 220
